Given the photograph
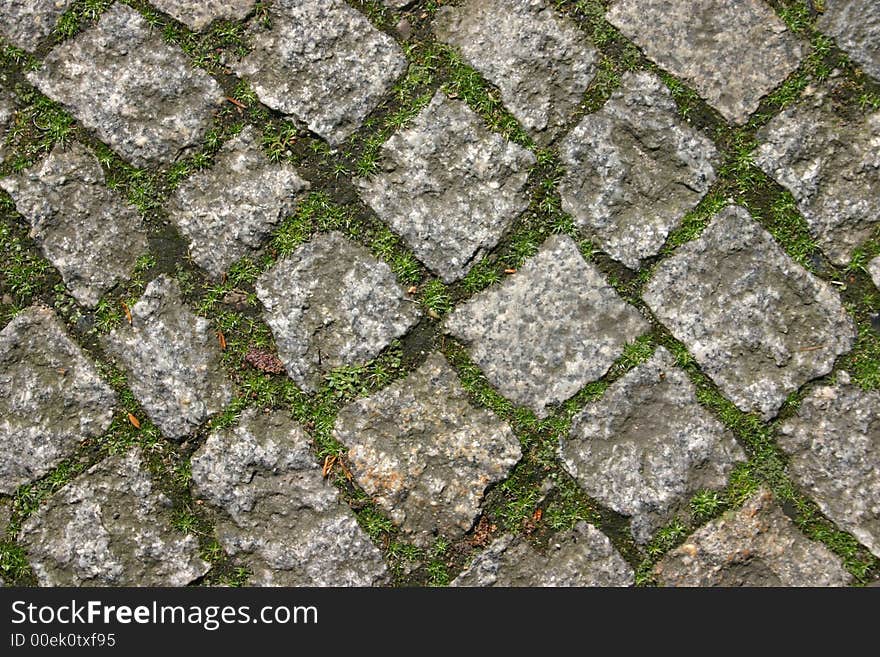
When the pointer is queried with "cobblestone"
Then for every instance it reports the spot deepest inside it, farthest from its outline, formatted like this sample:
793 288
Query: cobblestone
856 26
27 23
198 14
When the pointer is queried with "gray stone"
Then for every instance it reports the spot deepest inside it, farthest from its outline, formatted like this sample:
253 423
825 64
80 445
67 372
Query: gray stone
397 4
27 22
332 304
874 270
7 109
582 556
833 443
855 24
756 322
648 446
733 52
282 519
539 60
449 186
110 527
140 95
228 211
758 545
831 164
633 169
424 454
549 329
91 236
172 360
51 397
198 14
323 63
5 517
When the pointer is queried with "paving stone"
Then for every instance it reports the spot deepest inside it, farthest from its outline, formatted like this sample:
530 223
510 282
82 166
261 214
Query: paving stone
51 397
5 517
582 556
758 545
732 52
323 63
91 236
424 454
27 22
110 527
332 304
540 61
229 210
549 329
648 446
756 322
634 169
874 270
449 186
833 443
172 360
282 518
855 24
140 95
831 164
397 4
198 14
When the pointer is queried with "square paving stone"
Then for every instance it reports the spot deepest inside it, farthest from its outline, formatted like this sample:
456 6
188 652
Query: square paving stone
323 63
733 52
198 14
424 453
541 62
855 24
548 330
282 518
757 323
140 95
110 526
228 211
332 304
51 397
86 230
648 446
27 22
172 360
634 169
874 270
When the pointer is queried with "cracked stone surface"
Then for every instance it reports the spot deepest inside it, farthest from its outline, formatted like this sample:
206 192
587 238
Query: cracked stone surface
27 22
111 526
548 330
855 25
757 323
874 270
449 186
139 94
541 62
582 556
87 231
648 446
424 453
282 518
833 443
228 211
332 304
757 545
172 360
634 169
733 52
198 14
323 63
51 397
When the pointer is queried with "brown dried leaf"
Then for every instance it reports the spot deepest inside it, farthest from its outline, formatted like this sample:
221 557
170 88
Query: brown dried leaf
134 421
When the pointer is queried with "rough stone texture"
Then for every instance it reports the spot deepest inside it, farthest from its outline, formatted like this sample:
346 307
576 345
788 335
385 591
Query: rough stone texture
831 164
140 95
7 108
541 62
874 270
228 211
332 304
755 546
91 236
5 517
855 24
199 14
449 186
424 453
648 446
284 521
172 360
733 52
757 323
323 63
549 329
51 397
582 556
833 443
397 4
634 168
110 527
27 22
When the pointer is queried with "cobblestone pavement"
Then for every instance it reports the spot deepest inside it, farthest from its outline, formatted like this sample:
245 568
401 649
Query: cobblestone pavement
474 292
